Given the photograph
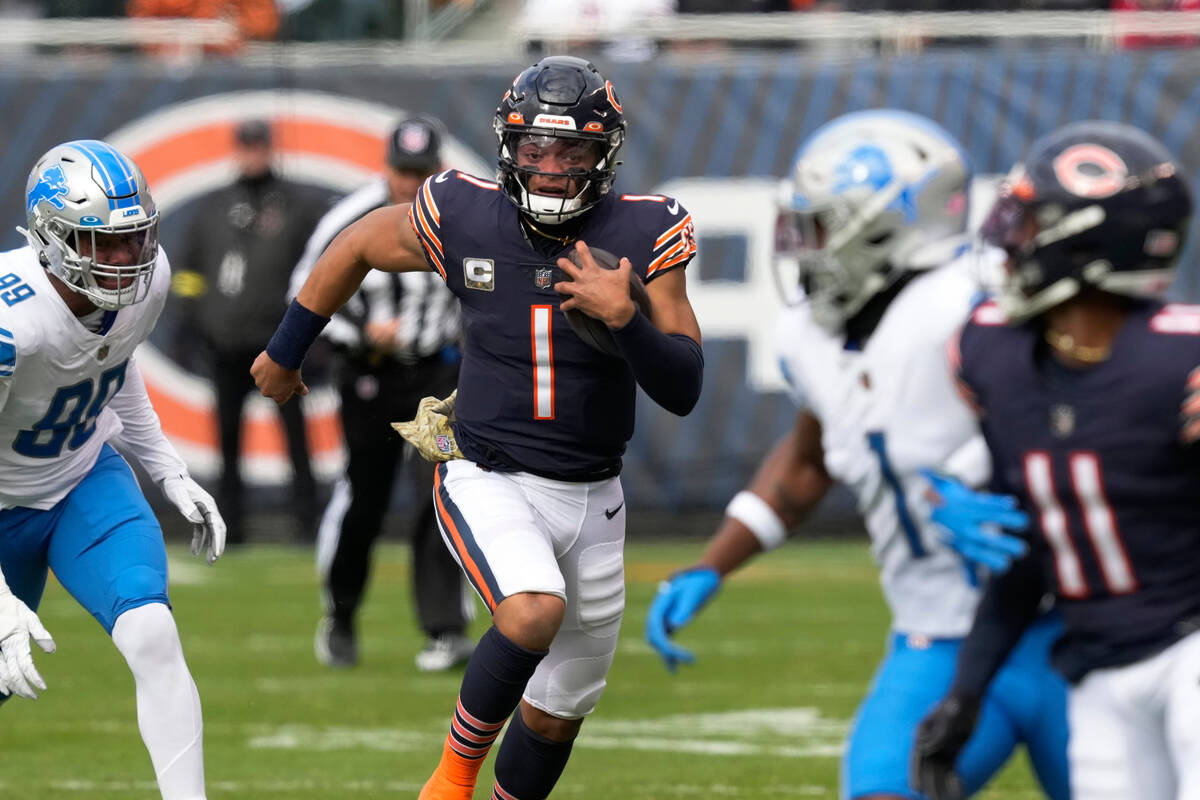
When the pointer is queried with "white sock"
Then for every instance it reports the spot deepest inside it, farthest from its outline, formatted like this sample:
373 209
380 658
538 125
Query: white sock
168 704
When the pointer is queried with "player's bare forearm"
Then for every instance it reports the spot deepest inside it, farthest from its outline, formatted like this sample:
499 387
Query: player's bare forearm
381 240
792 480
672 310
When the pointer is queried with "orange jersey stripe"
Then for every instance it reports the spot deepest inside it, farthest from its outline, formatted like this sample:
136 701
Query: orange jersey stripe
433 209
675 250
459 546
674 229
429 231
1191 406
433 257
481 184
680 259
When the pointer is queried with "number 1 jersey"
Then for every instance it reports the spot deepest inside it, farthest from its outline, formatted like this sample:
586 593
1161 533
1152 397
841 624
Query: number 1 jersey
533 396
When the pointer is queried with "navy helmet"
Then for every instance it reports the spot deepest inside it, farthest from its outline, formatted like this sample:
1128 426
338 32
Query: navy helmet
1098 205
559 97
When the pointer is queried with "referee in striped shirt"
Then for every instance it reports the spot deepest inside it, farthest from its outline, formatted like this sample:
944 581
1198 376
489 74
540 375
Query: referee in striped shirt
398 339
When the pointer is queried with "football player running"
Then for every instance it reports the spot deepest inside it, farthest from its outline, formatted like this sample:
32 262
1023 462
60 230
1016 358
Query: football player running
534 512
875 216
1088 389
77 301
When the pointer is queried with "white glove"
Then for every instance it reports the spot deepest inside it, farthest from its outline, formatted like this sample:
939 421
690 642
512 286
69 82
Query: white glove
18 624
208 528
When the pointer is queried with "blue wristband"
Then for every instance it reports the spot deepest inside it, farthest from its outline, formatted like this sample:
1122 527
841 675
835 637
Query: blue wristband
298 329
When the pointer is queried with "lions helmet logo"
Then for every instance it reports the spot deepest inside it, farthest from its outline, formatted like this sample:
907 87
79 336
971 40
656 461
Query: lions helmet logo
51 187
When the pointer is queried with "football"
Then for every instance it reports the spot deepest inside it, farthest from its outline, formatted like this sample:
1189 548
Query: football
592 330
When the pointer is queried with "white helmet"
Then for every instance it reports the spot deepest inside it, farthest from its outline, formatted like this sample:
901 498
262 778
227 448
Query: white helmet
92 222
871 195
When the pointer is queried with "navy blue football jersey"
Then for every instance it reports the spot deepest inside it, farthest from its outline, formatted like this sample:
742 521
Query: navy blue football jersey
1098 458
532 396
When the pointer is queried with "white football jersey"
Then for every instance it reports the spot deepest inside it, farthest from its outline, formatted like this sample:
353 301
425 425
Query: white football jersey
887 411
57 379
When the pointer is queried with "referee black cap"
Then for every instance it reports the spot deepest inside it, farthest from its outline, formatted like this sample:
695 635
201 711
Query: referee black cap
416 144
253 131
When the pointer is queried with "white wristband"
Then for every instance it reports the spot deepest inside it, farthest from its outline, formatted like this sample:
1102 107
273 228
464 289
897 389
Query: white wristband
757 515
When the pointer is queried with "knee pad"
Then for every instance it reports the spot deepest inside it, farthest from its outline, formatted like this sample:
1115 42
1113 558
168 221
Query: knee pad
147 636
569 681
571 678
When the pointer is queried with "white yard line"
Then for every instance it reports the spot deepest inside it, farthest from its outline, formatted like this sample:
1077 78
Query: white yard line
779 733
243 788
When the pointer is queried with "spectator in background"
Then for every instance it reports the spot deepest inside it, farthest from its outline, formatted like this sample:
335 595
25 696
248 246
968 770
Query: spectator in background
81 8
312 20
398 337
234 267
1134 41
255 19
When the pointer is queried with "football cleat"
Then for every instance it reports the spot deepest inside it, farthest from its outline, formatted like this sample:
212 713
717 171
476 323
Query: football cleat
445 652
336 644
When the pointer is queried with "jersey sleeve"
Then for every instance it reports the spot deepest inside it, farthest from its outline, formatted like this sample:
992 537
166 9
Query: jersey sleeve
8 360
967 348
675 245
141 432
1190 411
787 347
425 216
954 365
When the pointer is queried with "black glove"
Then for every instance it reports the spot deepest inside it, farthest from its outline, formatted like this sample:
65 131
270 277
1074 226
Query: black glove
939 739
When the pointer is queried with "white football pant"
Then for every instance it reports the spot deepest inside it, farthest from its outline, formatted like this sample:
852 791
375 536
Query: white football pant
516 532
1135 730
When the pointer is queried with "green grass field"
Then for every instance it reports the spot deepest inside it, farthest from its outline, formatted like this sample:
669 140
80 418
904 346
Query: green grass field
784 654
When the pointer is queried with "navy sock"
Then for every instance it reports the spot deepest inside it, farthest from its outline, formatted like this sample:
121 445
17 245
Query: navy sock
492 686
528 764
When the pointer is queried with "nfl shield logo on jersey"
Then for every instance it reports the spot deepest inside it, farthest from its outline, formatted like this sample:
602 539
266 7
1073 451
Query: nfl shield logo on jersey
442 441
1062 420
542 277
102 353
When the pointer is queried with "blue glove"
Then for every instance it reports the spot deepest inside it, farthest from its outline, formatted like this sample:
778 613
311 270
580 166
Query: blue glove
679 599
971 523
